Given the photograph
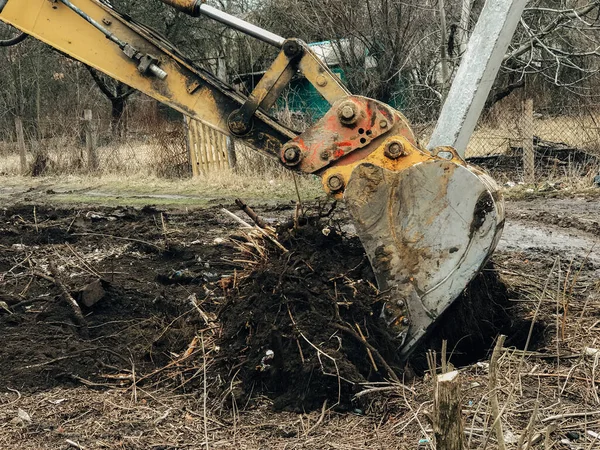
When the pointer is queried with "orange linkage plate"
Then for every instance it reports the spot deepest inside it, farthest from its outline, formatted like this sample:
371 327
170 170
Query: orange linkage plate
351 124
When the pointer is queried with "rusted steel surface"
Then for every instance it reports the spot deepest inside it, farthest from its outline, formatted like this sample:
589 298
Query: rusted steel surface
336 138
191 7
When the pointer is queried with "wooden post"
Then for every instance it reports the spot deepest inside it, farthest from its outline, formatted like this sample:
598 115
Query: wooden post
202 146
212 162
191 142
21 144
92 157
223 151
527 140
447 419
492 388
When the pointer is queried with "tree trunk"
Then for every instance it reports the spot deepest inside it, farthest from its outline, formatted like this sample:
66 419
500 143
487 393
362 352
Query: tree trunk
447 417
443 50
118 120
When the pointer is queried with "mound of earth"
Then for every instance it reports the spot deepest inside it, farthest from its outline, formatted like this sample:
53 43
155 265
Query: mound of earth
300 326
304 326
293 328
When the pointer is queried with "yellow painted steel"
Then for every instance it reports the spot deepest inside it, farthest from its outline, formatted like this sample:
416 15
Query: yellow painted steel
413 155
322 79
60 27
64 30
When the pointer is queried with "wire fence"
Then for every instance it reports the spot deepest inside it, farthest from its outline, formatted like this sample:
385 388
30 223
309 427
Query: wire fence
561 141
564 141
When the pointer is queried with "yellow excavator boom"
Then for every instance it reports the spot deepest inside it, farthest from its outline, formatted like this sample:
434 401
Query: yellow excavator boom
428 221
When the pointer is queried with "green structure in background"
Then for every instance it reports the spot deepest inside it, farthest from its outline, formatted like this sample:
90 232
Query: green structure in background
301 96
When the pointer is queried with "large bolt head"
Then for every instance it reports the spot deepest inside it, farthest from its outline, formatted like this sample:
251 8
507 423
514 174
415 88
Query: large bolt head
394 150
347 113
335 183
291 155
291 49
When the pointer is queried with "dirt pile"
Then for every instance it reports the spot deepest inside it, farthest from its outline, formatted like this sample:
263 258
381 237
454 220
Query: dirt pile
304 326
309 308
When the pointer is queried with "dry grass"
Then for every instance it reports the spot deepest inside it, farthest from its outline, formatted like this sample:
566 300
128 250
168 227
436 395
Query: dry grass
542 394
127 158
500 131
155 166
137 189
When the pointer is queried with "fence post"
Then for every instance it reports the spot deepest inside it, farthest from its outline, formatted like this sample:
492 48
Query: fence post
21 144
527 141
191 142
92 157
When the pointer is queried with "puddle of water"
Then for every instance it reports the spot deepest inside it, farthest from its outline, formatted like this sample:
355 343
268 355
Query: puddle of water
527 236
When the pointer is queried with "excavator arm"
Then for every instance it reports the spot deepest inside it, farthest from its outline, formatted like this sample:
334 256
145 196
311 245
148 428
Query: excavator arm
427 220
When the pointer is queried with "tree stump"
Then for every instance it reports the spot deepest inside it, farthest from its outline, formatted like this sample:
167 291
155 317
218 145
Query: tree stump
447 419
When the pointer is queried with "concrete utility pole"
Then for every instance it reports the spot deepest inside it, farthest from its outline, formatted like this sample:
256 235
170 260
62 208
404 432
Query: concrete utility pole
476 74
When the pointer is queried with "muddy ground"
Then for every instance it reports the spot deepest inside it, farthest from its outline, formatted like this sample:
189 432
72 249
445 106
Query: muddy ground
174 353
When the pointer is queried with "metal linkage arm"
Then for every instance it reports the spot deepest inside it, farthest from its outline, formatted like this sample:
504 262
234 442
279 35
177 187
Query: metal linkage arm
295 56
198 7
97 35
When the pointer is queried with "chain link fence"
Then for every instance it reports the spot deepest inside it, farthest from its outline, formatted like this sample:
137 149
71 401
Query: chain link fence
559 141
515 142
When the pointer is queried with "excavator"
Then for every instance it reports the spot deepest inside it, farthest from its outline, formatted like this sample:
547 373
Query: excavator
428 220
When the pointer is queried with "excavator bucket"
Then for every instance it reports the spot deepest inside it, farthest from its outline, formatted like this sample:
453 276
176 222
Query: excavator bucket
428 221
427 230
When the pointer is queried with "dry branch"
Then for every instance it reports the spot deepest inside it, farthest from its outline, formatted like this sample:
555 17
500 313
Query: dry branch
55 278
369 348
250 212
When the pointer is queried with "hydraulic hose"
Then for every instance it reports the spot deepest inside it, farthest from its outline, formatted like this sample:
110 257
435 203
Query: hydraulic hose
14 41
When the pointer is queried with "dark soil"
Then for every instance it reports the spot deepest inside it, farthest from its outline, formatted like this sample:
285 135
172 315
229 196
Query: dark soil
292 304
315 307
310 307
142 319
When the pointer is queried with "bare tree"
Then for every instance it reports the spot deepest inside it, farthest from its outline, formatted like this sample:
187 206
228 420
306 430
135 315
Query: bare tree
117 93
557 46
